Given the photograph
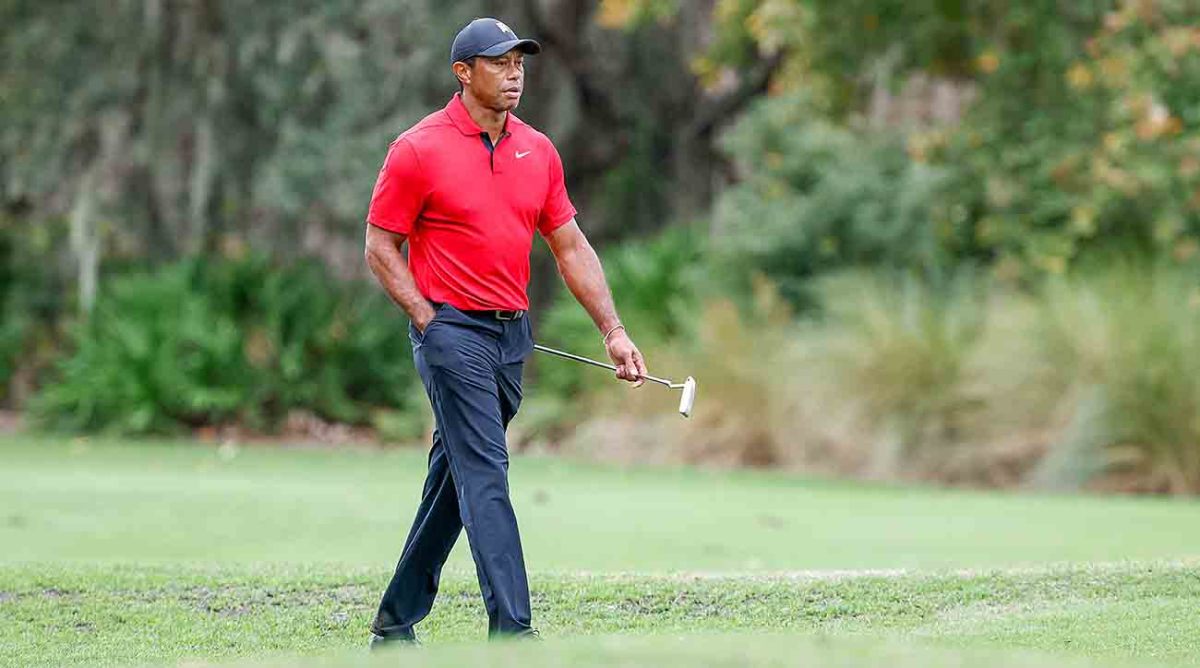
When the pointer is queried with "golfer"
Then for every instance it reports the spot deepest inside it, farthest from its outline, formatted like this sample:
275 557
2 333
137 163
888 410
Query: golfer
466 188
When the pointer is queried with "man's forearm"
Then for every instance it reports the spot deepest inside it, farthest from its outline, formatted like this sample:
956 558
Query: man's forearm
581 271
388 265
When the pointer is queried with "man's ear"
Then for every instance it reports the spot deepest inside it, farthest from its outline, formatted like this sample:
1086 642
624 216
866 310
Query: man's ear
463 72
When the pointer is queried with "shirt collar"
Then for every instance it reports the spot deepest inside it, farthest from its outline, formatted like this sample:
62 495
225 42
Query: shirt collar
457 111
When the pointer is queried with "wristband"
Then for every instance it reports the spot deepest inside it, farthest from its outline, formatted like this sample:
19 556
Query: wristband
609 333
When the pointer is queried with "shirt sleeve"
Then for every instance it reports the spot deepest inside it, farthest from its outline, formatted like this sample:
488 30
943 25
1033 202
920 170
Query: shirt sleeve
400 190
557 209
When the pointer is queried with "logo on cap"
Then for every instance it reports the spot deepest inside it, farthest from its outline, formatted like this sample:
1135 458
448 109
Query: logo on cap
500 25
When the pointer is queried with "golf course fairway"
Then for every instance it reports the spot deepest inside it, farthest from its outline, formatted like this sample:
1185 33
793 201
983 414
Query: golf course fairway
157 553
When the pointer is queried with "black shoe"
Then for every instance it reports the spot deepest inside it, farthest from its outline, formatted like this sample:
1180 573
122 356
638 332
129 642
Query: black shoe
527 634
378 642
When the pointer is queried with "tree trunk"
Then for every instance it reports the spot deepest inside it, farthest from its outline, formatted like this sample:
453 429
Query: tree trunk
85 239
202 179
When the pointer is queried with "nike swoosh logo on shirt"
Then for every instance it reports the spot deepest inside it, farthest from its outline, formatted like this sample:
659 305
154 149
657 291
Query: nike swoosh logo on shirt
522 155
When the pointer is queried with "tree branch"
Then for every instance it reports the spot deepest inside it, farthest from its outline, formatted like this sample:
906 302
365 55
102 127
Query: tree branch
564 44
718 111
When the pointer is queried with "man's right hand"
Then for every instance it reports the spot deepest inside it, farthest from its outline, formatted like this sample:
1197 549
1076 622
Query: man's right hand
631 366
422 320
387 262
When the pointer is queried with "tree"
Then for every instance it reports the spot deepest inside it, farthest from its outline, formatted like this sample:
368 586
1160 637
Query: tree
175 128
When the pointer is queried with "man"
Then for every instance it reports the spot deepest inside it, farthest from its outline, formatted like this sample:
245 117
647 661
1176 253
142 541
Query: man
466 188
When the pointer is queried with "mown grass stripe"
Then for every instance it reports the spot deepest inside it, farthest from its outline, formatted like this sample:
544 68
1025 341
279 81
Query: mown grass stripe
104 615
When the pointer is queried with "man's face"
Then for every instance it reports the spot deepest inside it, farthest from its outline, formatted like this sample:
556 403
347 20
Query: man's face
495 82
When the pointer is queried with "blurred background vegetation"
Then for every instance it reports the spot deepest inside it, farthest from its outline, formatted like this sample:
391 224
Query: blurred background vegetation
932 240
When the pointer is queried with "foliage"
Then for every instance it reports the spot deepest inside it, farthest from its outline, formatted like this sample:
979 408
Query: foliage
877 382
1125 344
31 298
1096 373
1089 142
196 119
897 354
626 13
815 197
187 127
14 331
183 131
1084 131
1085 381
154 356
13 325
201 343
839 49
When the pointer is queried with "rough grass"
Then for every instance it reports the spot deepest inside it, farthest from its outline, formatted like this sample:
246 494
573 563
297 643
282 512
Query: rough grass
118 615
1090 381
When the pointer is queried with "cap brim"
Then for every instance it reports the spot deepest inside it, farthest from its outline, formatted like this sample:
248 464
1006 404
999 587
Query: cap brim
527 46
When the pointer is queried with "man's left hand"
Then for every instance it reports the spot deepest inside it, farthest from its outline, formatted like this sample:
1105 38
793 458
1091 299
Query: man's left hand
627 358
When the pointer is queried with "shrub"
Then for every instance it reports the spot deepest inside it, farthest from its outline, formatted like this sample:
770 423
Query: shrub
897 354
878 383
1085 137
201 343
155 355
1088 380
815 198
14 331
32 298
1125 344
1092 379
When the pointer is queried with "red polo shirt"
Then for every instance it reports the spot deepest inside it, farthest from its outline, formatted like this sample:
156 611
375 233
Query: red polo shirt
470 213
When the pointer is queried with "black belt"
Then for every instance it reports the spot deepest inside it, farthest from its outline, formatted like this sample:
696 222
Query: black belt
498 315
492 314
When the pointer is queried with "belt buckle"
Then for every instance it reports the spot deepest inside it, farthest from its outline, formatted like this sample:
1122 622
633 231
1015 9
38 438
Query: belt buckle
507 315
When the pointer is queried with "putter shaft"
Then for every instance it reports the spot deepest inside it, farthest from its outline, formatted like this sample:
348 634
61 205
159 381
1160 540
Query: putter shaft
602 365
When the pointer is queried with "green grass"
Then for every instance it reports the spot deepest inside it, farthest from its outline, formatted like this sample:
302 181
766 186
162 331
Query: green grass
730 650
99 501
115 615
117 554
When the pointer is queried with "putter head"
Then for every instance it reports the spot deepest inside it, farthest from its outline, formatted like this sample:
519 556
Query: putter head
688 398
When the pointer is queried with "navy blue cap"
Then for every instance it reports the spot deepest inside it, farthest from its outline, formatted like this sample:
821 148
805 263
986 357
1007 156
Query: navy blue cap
488 37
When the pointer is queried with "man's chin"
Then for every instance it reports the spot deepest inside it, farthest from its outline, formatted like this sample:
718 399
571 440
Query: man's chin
500 106
508 103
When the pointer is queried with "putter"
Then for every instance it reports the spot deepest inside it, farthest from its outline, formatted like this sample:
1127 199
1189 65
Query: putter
688 386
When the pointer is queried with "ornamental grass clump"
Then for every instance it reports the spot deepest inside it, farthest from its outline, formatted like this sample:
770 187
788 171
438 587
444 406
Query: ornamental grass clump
1126 344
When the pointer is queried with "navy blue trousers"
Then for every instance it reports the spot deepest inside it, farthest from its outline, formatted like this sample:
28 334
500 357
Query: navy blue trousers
471 366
